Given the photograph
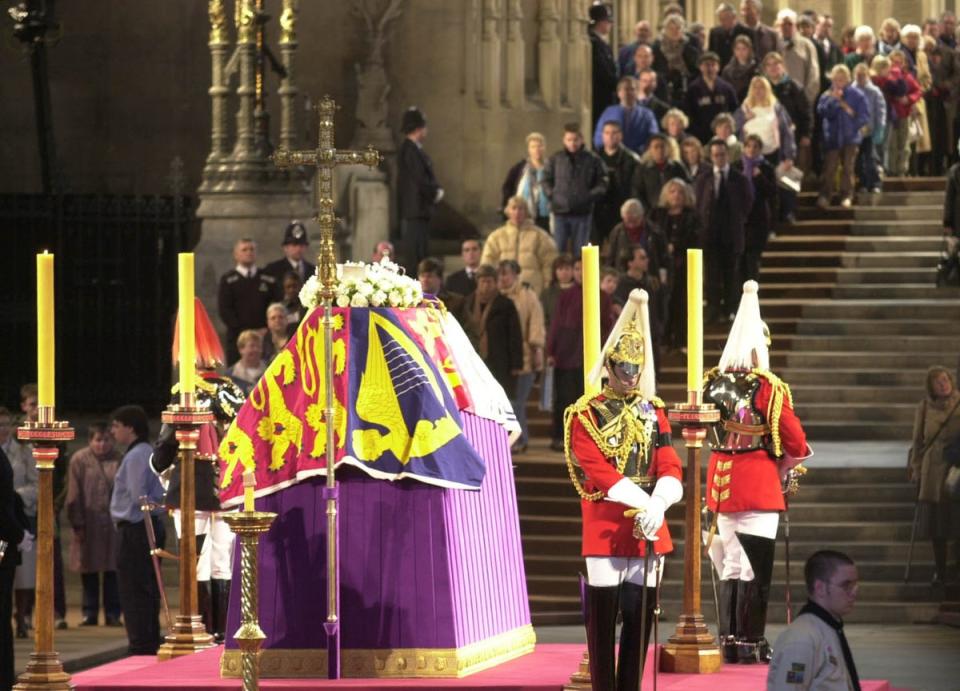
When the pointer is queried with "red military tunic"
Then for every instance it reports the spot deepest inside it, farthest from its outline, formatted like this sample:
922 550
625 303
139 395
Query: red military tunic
606 532
750 481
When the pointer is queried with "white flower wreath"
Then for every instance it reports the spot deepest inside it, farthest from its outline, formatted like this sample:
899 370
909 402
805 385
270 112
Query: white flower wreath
367 285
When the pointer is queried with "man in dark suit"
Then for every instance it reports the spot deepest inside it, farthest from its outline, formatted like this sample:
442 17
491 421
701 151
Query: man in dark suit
464 281
294 248
244 294
724 199
722 35
604 65
764 38
828 52
13 525
418 191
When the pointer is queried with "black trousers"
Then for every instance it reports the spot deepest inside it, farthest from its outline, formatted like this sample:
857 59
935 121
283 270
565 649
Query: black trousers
91 594
567 388
723 280
139 593
415 233
6 630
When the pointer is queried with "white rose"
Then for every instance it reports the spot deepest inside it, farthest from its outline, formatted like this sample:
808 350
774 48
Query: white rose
358 300
343 301
396 299
378 298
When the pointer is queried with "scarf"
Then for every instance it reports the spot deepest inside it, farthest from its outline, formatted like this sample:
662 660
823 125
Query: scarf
530 189
673 51
822 614
749 164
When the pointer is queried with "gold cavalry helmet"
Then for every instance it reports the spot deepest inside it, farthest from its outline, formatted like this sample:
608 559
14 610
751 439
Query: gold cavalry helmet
628 351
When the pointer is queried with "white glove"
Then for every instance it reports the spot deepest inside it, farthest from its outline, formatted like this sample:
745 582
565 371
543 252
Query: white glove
439 196
652 518
26 544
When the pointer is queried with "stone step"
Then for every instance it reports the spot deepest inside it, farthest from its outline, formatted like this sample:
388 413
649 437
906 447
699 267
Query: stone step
914 184
853 243
896 291
842 430
855 376
900 212
888 199
873 328
773 275
887 411
892 343
826 258
875 309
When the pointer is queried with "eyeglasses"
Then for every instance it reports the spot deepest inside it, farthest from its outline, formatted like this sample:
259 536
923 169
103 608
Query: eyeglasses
849 587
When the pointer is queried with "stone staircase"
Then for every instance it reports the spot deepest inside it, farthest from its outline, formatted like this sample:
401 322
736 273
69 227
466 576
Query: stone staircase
875 532
856 320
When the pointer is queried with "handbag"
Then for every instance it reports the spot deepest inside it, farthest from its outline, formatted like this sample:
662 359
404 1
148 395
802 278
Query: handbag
914 129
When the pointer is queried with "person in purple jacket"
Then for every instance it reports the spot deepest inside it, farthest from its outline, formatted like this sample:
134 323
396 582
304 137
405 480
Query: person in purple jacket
843 114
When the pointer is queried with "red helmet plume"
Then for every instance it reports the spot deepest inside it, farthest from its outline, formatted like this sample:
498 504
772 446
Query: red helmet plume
208 347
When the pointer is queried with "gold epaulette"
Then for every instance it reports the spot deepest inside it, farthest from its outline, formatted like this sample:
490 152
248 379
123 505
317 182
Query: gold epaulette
657 402
781 391
709 376
201 383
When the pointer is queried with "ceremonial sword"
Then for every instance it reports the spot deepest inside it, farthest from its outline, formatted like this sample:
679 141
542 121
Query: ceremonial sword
146 506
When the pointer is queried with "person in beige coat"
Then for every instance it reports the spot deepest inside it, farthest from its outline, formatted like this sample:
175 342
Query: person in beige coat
534 334
935 426
522 240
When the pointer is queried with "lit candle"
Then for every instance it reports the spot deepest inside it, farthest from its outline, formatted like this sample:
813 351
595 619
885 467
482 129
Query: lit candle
694 319
249 484
187 343
590 258
46 337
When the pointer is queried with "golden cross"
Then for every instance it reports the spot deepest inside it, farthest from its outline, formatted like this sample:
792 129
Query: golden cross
326 157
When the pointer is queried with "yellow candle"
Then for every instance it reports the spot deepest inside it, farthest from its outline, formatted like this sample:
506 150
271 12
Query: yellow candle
187 345
694 319
249 484
46 337
590 258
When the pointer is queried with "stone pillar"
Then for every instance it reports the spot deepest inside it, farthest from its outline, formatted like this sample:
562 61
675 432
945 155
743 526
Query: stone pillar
490 53
515 68
625 18
288 88
579 65
244 148
548 54
218 88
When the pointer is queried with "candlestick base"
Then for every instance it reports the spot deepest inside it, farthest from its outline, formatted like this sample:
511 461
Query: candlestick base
44 672
187 636
580 680
692 649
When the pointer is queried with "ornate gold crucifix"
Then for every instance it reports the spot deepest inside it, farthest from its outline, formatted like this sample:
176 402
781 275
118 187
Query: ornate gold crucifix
326 157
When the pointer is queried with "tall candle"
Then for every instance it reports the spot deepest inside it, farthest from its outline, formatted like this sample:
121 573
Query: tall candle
590 258
249 484
46 336
187 345
694 319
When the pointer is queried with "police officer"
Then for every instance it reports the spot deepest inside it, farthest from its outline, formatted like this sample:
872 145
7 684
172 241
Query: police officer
620 457
757 443
244 295
604 66
294 248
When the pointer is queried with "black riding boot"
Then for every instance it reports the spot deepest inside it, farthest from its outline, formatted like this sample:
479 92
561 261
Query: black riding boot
601 622
752 599
633 648
727 626
205 605
221 602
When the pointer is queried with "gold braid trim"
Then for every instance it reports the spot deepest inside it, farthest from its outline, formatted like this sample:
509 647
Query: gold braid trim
632 431
781 391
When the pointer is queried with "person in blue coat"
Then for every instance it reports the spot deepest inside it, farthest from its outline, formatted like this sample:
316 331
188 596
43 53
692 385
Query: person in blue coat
844 114
637 122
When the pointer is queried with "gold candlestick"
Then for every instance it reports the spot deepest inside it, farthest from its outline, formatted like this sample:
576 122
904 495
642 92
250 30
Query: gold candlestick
692 649
187 635
44 670
249 525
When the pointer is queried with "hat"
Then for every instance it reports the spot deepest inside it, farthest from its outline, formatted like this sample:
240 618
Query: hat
600 12
708 55
630 342
412 120
295 234
748 335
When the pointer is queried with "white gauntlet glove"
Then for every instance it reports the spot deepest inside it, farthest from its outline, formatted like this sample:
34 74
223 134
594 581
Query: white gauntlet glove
26 544
652 518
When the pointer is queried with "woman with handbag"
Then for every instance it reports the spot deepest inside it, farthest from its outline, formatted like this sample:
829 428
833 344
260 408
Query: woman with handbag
936 425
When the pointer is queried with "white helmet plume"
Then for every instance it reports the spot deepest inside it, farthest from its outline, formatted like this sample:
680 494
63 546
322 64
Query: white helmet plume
746 335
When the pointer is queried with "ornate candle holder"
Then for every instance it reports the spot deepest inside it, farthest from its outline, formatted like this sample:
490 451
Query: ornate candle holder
692 649
44 670
249 525
187 635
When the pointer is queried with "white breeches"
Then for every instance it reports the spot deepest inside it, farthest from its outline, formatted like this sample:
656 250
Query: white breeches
608 571
726 552
216 556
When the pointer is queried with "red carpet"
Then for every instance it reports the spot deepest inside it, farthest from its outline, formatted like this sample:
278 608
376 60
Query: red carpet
549 667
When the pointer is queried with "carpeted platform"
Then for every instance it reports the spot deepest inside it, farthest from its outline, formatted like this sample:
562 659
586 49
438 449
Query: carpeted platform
548 668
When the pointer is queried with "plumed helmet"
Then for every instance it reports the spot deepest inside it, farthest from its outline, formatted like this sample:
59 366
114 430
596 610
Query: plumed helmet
209 351
747 344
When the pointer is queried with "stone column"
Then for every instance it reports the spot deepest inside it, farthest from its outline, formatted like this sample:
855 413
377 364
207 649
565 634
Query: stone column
218 88
579 65
490 53
244 149
516 71
288 88
548 54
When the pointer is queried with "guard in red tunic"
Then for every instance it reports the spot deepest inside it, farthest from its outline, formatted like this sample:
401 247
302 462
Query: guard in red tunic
620 458
756 448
